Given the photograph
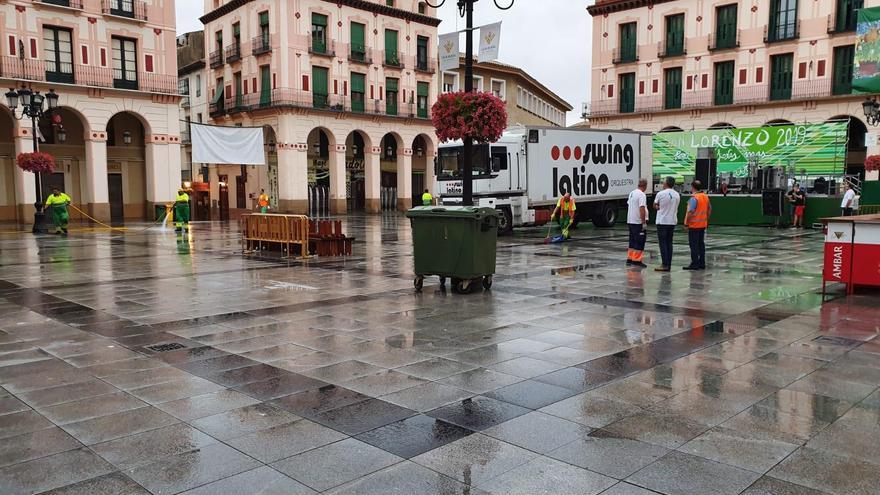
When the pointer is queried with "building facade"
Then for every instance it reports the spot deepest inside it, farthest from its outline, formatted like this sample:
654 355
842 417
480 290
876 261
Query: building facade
528 101
667 65
115 134
343 89
192 86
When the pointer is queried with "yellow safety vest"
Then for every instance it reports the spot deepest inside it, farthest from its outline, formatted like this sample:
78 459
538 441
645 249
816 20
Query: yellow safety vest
427 199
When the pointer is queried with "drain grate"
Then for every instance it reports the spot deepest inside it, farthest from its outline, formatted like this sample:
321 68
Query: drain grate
842 341
171 346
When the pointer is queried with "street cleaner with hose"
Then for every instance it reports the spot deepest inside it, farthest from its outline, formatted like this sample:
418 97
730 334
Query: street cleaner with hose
60 217
181 211
566 209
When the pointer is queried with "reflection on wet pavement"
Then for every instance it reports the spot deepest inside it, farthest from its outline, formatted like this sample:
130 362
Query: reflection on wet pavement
140 364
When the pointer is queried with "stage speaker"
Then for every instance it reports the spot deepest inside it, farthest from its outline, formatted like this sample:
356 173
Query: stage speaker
707 172
771 202
820 186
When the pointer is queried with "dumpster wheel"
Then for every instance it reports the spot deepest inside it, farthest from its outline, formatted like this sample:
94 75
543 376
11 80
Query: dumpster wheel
487 282
419 282
461 286
443 283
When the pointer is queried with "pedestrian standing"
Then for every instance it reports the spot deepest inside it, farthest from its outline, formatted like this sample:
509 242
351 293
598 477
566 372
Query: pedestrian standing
666 203
849 199
637 222
263 201
696 221
799 202
427 198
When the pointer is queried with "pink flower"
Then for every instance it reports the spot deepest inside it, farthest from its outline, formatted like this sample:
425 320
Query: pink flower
36 162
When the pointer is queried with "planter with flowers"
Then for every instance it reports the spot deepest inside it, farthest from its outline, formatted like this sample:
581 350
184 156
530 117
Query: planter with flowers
872 167
479 116
36 162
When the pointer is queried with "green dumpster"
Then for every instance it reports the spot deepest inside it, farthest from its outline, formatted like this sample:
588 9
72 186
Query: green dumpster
456 242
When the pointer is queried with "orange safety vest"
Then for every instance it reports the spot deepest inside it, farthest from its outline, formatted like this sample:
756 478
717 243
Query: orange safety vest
263 200
699 218
571 207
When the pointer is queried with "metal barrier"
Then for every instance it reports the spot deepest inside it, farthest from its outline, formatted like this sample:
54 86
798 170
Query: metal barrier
288 231
388 198
869 209
319 201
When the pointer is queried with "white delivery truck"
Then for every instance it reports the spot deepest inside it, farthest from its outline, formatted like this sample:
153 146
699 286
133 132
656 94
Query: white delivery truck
525 172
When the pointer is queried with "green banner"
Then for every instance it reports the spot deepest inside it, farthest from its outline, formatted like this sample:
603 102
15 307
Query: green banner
866 63
814 149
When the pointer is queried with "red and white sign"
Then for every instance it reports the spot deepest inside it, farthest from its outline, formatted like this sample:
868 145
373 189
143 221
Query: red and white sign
838 252
866 254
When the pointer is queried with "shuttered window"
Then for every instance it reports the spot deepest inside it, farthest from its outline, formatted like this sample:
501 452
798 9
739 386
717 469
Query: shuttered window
843 70
672 88
724 83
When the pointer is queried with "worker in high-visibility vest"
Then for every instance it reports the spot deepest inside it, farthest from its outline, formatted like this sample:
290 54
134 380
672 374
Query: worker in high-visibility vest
566 209
263 201
181 210
427 199
60 217
696 221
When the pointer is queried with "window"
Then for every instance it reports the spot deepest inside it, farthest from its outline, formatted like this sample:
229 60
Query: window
124 63
319 87
843 70
627 42
236 34
218 41
478 83
264 25
627 99
124 8
198 85
422 53
725 27
389 3
358 45
422 90
499 89
261 44
219 102
780 76
265 86
183 86
845 16
58 52
724 83
319 33
199 118
422 8
391 95
450 82
391 56
358 91
783 20
672 88
674 35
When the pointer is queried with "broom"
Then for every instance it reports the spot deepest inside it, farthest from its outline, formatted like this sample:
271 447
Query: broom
549 230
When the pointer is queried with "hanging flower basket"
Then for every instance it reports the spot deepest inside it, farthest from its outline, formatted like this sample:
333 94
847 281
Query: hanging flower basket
36 162
480 116
872 163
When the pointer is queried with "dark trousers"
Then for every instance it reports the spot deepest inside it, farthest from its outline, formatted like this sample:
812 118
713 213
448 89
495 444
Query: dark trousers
636 242
664 236
697 241
847 212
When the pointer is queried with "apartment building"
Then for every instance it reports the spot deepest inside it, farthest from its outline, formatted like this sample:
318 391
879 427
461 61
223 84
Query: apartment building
343 89
115 132
528 101
667 65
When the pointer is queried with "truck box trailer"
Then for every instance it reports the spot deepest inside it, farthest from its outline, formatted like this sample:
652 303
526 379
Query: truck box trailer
524 173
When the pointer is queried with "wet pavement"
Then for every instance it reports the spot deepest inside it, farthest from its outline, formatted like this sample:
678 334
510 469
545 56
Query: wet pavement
141 363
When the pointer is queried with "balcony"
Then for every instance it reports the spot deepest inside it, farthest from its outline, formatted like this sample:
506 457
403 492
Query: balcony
427 66
185 102
60 73
70 4
261 44
625 55
842 22
215 59
233 53
717 41
649 104
782 32
392 59
667 51
281 98
185 137
323 48
129 9
359 54
85 75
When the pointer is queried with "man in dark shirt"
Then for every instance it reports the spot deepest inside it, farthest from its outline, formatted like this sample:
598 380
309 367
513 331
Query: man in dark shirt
798 200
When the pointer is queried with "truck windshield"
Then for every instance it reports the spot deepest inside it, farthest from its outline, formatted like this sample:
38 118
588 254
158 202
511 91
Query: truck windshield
449 162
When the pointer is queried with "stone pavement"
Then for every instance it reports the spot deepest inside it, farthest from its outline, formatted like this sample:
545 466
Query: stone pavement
135 364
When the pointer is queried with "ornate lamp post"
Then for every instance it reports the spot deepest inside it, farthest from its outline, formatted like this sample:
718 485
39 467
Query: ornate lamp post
466 10
872 111
32 106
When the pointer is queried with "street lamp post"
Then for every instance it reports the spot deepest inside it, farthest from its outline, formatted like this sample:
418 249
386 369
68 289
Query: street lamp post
872 111
466 10
32 106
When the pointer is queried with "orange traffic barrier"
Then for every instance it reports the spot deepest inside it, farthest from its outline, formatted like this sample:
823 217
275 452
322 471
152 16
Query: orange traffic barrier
289 231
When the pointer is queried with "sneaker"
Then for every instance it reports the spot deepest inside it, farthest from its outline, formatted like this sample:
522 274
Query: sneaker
639 264
689 268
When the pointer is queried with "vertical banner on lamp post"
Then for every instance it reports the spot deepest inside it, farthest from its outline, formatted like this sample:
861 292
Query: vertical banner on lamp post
866 63
448 51
490 41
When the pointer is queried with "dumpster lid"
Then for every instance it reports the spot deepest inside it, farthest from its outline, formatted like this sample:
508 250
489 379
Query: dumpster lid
450 211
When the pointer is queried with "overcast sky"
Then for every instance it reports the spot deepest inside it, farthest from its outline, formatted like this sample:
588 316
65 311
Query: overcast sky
551 44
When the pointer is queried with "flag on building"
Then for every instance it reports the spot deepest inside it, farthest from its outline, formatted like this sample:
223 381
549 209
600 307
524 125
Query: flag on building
448 51
490 41
866 63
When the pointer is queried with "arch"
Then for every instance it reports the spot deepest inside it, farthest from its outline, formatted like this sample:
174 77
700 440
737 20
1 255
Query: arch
148 129
8 195
721 125
127 169
771 123
268 175
856 149
671 128
73 123
422 170
358 150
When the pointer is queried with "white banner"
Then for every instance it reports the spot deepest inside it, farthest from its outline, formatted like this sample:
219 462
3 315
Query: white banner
448 51
490 40
227 145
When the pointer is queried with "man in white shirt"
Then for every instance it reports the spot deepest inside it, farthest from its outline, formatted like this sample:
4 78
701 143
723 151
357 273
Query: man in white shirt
849 198
666 203
637 222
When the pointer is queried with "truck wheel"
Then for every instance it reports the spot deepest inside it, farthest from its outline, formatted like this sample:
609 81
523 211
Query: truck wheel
505 221
605 216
